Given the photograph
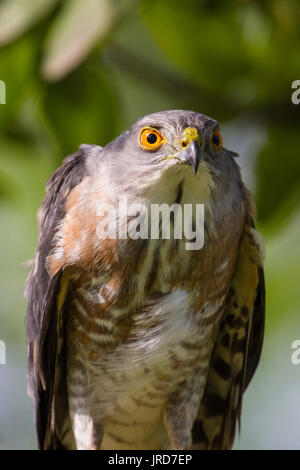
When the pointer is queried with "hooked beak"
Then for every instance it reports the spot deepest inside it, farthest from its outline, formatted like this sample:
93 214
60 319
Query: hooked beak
191 155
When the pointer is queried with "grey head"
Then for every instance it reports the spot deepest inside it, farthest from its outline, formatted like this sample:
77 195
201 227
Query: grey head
163 149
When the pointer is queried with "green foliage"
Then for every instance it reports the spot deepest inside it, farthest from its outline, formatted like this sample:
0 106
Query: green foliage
82 108
278 170
16 70
17 16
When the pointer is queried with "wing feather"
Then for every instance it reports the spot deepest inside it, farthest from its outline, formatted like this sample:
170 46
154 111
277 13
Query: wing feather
237 349
43 336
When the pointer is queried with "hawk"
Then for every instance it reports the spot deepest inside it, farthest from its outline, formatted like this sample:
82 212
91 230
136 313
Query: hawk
139 342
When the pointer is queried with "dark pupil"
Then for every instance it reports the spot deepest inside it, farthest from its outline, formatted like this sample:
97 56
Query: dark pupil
151 138
216 140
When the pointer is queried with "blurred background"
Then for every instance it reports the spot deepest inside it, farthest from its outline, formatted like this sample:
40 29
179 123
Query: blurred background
82 71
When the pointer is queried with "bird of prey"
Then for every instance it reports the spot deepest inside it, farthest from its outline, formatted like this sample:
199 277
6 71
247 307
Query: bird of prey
139 342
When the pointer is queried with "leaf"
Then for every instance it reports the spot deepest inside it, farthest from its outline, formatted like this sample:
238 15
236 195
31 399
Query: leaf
16 16
82 108
24 170
230 49
17 65
278 172
201 37
75 31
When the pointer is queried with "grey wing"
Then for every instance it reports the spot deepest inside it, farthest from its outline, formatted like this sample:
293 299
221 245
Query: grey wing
42 291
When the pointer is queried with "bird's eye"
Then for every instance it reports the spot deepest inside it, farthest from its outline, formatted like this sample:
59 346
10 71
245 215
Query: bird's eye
150 139
217 139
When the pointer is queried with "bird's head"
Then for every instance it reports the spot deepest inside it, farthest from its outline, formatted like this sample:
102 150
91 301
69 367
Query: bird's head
177 138
163 149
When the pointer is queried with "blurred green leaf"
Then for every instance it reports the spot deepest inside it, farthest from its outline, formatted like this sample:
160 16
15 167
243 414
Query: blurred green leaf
17 65
16 16
74 32
196 38
24 171
231 49
278 171
82 108
283 271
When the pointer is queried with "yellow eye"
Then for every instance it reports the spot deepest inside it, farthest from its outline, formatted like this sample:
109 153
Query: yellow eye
150 139
217 139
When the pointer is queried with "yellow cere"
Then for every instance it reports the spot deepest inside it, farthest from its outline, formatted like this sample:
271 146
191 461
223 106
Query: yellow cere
190 134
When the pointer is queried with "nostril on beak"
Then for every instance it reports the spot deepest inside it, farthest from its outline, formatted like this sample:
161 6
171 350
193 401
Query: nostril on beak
183 143
191 155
